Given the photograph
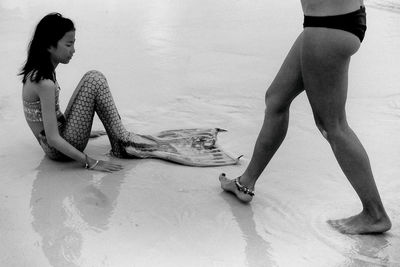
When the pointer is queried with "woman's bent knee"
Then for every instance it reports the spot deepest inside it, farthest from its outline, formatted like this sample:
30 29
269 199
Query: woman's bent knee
95 79
94 74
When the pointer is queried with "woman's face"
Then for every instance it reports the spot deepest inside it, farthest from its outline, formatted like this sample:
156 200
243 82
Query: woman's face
65 49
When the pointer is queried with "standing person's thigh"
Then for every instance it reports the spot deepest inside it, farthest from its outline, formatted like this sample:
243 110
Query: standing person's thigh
325 59
288 82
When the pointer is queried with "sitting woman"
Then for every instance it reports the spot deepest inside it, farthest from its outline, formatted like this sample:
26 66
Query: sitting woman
65 136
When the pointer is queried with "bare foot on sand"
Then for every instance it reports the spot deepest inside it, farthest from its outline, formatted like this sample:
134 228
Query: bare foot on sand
362 223
231 187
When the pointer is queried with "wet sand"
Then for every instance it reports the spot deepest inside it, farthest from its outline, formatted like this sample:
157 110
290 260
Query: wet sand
182 64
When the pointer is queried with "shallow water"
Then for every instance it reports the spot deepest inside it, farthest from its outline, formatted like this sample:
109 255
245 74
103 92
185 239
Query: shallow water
178 64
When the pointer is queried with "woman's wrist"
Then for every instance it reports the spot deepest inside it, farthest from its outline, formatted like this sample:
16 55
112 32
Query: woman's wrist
87 161
90 163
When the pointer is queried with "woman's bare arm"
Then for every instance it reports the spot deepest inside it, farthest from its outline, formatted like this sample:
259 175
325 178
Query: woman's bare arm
46 92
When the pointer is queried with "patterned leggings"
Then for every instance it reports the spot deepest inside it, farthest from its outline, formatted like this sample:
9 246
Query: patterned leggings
92 95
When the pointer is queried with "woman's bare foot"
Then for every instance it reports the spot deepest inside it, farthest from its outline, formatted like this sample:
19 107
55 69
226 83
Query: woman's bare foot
362 223
231 187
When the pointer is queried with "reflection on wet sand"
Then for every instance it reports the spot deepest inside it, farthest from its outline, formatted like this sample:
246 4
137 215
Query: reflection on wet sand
190 64
66 203
359 250
258 250
377 250
370 250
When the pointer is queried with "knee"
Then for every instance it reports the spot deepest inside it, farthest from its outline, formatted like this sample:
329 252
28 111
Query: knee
95 77
332 130
322 129
275 104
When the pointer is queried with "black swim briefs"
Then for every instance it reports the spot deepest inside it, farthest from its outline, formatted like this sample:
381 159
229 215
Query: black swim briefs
354 22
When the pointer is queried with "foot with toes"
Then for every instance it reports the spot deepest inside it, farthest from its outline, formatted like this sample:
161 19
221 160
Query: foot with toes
362 223
242 192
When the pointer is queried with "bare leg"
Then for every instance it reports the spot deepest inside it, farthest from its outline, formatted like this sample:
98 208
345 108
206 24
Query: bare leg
285 87
325 61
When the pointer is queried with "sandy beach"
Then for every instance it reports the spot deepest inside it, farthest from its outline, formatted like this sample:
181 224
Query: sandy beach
183 64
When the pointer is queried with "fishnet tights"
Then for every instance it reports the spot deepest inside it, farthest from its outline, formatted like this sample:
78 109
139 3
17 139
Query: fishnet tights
92 96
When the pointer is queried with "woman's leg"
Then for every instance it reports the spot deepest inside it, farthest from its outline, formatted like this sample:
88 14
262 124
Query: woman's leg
285 87
93 95
325 59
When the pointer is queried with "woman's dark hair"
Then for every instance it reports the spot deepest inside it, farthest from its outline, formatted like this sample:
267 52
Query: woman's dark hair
48 32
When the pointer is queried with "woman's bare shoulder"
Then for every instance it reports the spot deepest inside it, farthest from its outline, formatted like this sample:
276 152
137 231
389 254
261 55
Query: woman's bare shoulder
32 90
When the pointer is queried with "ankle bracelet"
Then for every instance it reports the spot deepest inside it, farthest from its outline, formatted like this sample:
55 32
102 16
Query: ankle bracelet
243 188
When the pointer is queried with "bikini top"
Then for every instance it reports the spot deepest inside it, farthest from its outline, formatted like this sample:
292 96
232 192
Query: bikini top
33 109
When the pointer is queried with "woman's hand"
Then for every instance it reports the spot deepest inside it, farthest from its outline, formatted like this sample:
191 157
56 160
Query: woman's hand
105 166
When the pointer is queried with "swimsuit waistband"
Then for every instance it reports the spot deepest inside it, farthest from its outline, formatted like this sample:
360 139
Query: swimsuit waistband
354 22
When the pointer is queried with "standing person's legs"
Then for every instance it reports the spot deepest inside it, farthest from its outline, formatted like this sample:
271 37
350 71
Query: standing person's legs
285 87
325 59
